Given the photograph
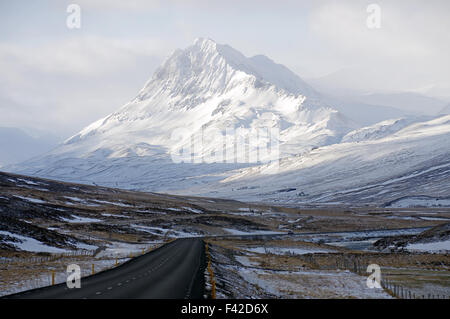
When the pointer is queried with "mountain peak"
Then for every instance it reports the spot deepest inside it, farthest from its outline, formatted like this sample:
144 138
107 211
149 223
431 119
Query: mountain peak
223 88
206 66
205 43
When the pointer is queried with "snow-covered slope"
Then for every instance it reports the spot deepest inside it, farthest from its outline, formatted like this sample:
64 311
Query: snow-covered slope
204 92
413 161
380 130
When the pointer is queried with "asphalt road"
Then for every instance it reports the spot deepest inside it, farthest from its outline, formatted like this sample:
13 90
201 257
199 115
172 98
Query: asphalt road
174 271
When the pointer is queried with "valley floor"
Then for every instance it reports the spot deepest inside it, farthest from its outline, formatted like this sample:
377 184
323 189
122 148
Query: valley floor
257 250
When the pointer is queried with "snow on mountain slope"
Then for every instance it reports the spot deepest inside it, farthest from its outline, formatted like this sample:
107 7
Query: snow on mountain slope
413 161
380 130
204 92
419 201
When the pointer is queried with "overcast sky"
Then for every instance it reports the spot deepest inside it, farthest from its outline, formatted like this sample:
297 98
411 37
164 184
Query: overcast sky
59 79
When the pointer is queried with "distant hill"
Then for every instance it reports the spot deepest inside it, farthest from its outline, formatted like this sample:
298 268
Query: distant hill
16 145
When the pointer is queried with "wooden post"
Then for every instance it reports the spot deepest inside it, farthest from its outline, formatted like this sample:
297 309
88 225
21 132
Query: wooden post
213 289
211 273
93 270
53 278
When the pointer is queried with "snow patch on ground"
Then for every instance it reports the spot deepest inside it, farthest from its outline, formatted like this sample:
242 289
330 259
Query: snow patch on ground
32 200
433 247
250 232
121 250
79 219
434 218
286 251
159 231
115 215
196 211
31 244
112 203
80 201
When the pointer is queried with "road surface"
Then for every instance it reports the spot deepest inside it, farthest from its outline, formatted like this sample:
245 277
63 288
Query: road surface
174 271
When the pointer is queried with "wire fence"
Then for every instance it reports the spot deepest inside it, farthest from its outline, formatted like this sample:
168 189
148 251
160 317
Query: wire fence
48 257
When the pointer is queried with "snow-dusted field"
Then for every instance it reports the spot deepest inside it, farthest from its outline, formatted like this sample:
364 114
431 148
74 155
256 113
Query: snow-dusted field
286 250
271 246
287 267
312 284
433 247
261 278
30 244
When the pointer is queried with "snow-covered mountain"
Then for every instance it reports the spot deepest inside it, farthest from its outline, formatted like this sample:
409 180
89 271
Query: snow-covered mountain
205 92
214 87
201 124
373 169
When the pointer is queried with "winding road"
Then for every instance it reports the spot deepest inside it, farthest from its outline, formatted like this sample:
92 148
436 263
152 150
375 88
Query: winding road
173 271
